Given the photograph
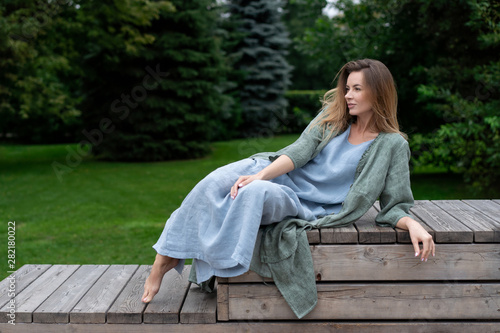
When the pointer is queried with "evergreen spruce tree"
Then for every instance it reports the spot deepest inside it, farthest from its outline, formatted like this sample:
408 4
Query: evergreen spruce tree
262 54
153 79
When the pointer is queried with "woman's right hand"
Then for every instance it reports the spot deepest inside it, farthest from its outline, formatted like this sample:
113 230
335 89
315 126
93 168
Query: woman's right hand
280 166
242 181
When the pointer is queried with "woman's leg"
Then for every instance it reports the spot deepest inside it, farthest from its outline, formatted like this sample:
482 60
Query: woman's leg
218 183
160 267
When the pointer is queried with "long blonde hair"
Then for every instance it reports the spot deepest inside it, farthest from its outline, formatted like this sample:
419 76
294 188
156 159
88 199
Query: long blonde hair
382 90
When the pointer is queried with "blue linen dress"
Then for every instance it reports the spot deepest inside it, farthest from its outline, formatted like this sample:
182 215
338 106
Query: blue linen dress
220 233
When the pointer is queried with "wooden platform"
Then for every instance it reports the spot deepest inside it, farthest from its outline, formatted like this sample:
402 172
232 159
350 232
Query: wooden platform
365 272
368 281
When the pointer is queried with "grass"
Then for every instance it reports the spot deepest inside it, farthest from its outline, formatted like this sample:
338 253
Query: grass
111 213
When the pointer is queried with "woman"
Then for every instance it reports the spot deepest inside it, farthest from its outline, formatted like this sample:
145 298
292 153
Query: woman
350 155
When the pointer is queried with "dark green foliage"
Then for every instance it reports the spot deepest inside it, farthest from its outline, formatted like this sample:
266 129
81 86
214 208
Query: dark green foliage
262 53
419 40
303 106
464 91
298 16
38 80
469 141
154 72
445 62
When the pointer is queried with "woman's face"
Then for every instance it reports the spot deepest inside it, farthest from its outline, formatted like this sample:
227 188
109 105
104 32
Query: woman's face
357 96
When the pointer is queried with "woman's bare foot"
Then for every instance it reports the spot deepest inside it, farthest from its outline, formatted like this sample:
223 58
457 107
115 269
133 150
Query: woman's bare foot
161 266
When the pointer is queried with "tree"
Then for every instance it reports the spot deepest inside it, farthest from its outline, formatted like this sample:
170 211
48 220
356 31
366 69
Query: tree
445 62
464 89
262 57
298 16
152 79
38 86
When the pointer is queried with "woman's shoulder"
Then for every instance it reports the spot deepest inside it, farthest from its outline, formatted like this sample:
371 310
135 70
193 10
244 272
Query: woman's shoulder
392 142
393 138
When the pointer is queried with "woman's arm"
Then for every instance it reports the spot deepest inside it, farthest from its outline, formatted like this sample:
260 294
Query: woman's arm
418 234
280 166
396 200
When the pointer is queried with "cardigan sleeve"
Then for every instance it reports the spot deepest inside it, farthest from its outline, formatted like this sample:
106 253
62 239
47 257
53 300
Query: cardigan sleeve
303 149
396 198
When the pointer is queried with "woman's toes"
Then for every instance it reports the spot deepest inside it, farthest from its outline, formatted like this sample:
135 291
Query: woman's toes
150 289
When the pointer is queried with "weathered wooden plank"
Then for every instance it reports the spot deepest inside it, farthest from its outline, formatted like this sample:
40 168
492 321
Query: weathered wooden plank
16 282
446 228
199 307
482 226
92 308
166 306
403 236
222 302
490 209
381 301
396 262
249 276
128 307
487 207
313 236
37 292
414 326
56 308
343 235
370 233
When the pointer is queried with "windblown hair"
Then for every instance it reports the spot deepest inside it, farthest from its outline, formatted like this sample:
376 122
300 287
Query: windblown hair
381 89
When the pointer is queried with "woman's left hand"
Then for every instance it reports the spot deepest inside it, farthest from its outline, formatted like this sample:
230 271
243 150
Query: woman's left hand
418 235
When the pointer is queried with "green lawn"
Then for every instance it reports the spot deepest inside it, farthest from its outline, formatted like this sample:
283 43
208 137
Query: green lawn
111 213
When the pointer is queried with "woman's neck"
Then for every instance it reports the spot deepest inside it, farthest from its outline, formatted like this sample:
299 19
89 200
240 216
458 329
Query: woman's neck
361 131
364 124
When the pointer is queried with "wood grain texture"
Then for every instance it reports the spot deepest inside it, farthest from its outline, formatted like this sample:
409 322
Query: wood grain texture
92 308
396 262
222 302
343 235
414 326
37 292
483 226
487 207
22 278
249 276
128 307
403 236
446 228
313 236
56 308
370 233
490 209
381 301
166 306
199 307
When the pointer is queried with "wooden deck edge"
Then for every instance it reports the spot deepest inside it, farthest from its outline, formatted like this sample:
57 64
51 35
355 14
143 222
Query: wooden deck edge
222 302
396 262
268 327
